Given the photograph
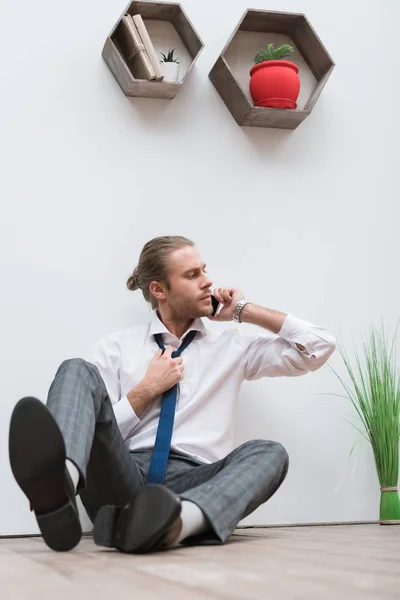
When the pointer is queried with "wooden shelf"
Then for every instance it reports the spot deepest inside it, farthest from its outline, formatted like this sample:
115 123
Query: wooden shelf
181 31
231 79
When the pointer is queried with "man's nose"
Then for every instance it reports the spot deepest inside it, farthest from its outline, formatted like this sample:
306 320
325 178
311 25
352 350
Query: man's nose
207 283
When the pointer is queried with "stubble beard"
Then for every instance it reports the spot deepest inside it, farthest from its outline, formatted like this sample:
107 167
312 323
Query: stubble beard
190 309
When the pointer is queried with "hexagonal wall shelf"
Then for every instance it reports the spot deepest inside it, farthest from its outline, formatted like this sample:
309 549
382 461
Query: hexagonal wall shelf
230 74
168 27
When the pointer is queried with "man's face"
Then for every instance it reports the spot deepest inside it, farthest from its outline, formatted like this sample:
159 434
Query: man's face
189 294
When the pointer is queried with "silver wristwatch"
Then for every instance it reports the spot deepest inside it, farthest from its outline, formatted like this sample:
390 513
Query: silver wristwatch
238 308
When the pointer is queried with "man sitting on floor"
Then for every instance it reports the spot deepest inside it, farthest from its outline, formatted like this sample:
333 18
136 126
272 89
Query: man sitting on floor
147 445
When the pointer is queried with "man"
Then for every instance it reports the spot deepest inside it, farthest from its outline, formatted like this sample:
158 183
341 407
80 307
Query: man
144 432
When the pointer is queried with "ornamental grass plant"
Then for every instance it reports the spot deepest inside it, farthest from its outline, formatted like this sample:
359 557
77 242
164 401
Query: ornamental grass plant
374 391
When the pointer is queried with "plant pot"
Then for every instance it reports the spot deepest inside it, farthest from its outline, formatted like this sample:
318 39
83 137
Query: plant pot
275 84
389 513
170 70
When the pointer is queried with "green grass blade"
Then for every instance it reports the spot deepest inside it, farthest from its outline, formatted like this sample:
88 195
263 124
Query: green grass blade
374 391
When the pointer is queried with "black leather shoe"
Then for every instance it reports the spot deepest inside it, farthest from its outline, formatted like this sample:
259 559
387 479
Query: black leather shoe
149 522
37 458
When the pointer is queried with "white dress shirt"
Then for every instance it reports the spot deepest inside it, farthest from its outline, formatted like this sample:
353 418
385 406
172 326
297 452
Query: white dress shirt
216 363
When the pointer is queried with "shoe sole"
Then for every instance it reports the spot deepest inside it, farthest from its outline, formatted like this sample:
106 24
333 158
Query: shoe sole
141 525
37 459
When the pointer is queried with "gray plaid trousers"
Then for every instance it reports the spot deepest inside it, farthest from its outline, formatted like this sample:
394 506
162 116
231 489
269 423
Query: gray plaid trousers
226 490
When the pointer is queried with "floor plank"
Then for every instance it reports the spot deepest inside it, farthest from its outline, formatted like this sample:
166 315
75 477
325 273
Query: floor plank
350 562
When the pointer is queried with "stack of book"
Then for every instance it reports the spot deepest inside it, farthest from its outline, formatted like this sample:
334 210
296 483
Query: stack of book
137 48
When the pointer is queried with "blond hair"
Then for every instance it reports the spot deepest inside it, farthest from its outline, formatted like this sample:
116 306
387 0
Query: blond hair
153 264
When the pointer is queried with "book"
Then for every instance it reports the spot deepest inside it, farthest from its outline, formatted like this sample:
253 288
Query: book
134 50
148 44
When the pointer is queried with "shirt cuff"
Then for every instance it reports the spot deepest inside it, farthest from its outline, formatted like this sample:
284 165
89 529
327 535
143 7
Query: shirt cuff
296 331
126 417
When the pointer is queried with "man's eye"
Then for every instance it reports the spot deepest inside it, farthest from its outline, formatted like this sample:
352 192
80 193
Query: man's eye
193 275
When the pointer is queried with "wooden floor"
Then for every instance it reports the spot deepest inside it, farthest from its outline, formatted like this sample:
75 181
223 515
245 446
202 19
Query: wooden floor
341 562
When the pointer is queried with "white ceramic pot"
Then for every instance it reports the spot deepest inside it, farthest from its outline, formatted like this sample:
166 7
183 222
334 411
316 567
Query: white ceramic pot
170 70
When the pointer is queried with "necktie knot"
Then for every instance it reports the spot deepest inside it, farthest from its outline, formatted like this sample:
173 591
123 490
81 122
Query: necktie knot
186 341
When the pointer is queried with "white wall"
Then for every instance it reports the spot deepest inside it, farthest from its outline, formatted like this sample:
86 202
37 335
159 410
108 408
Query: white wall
302 221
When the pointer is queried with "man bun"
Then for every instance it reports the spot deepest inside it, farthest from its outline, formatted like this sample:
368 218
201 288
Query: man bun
133 281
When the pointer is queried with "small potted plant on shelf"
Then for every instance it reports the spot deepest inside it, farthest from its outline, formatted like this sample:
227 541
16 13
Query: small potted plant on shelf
274 82
374 391
170 66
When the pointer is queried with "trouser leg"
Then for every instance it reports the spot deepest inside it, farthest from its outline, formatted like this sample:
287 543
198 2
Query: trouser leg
80 404
232 488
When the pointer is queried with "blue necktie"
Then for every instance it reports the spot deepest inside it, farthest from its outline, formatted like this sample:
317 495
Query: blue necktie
159 459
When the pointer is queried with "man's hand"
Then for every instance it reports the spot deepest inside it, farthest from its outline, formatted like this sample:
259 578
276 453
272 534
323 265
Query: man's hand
164 371
162 374
228 298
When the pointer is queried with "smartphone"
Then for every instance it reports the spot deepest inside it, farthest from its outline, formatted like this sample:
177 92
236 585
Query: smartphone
215 305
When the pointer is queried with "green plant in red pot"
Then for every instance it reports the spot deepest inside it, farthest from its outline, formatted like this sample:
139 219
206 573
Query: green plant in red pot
274 82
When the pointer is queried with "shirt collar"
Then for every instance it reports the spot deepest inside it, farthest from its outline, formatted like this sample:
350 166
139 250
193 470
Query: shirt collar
157 326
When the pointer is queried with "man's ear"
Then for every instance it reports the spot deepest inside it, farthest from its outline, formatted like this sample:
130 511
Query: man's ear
158 290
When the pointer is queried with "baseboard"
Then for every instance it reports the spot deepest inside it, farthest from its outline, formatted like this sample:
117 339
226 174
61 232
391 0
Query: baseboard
322 524
279 525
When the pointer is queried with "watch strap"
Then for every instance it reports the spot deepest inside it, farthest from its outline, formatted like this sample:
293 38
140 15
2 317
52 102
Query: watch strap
238 309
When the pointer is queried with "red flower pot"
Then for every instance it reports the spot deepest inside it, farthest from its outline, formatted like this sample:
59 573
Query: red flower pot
275 84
